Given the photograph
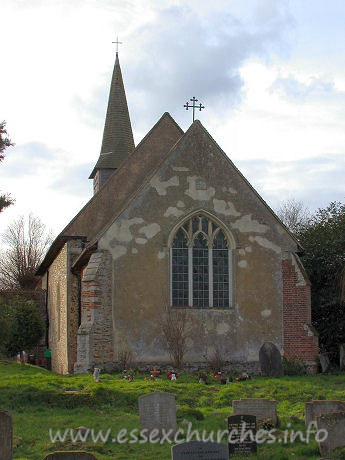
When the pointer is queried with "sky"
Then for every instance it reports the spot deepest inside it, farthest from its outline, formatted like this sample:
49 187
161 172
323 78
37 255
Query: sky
270 73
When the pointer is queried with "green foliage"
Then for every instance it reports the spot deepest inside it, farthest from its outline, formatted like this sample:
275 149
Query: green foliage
40 400
4 322
324 260
187 413
5 200
293 366
25 326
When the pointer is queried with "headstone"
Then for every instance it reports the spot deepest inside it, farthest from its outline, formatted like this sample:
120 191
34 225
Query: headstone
157 412
238 425
70 456
323 407
342 356
270 360
334 424
6 435
96 372
324 362
198 450
264 409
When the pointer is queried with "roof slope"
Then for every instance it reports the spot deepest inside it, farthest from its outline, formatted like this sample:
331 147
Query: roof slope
118 140
125 181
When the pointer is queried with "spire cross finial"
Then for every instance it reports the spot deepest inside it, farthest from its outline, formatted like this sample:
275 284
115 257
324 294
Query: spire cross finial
117 44
190 106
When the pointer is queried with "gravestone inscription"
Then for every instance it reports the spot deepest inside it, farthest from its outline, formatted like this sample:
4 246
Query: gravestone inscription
242 434
157 412
198 450
6 435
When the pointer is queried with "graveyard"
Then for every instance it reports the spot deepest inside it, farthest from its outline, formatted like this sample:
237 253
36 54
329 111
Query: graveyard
39 400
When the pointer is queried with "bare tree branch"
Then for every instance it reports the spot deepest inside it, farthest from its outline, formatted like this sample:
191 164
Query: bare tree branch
27 241
294 214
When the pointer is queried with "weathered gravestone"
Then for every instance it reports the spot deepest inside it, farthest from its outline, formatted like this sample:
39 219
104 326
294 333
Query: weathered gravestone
324 362
198 450
323 407
262 408
70 456
270 360
238 425
6 435
157 412
334 424
342 356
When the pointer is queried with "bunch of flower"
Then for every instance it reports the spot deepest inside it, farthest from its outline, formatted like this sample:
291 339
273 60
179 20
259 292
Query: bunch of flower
128 375
243 376
172 375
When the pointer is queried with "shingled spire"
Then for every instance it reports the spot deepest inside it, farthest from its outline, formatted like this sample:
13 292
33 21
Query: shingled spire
118 140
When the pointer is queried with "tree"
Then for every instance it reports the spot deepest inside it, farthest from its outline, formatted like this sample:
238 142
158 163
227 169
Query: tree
293 214
5 200
323 239
27 241
25 327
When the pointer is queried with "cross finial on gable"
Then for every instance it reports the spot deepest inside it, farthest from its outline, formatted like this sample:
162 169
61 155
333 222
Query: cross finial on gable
193 106
117 44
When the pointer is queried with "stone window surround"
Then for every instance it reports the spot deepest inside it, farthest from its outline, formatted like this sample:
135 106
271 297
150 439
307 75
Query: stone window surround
231 248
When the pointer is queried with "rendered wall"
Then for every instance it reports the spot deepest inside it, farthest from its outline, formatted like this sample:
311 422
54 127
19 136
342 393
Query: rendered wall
197 176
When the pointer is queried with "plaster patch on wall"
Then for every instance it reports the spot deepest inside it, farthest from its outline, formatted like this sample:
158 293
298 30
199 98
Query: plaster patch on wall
120 231
134 251
246 224
242 264
161 254
161 186
242 252
229 189
265 243
195 194
301 280
150 230
248 249
180 168
189 342
226 208
222 328
141 240
180 204
118 251
266 313
171 211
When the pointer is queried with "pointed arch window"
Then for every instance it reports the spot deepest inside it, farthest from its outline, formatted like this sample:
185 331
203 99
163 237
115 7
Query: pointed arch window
201 269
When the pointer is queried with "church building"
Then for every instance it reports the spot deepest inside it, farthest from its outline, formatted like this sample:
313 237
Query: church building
173 226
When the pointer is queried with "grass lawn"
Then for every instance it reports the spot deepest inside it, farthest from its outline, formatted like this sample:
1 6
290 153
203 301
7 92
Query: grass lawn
40 400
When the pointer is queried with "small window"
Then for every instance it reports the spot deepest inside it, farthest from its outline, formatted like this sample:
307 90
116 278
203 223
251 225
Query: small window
200 265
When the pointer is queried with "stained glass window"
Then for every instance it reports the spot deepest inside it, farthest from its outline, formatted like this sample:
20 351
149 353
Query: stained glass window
200 265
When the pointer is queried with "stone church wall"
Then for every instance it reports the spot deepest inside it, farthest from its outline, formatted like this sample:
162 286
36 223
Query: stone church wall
197 177
57 310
